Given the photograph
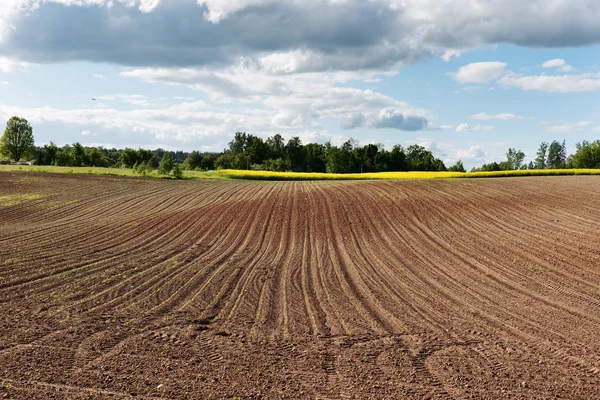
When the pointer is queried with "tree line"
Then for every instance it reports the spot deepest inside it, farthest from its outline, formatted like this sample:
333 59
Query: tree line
247 151
550 156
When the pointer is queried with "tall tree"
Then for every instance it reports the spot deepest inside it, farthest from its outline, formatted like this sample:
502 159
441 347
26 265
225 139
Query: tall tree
514 158
51 150
17 141
540 160
78 155
557 155
295 154
276 146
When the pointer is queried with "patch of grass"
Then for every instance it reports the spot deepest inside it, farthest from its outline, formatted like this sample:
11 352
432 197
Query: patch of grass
105 171
15 199
299 176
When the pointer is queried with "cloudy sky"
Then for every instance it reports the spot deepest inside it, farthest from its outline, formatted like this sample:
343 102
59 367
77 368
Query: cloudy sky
465 78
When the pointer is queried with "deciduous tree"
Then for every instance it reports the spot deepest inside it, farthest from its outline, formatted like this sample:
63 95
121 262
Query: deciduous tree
17 141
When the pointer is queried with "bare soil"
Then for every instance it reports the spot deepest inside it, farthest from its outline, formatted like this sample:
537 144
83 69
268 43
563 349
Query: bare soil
441 289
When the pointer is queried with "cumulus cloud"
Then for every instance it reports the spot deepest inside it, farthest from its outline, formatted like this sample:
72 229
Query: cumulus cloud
473 153
332 34
501 116
98 76
355 120
480 72
558 63
298 100
391 118
476 128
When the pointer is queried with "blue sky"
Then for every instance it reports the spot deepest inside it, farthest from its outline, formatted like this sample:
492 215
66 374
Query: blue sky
467 79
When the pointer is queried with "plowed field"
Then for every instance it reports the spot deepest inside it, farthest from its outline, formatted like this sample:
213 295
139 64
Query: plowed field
447 289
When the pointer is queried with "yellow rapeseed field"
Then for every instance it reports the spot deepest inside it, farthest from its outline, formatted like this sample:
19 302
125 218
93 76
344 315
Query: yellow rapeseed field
293 176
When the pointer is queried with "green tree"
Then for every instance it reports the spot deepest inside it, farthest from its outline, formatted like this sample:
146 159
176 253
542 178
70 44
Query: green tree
177 171
129 157
50 152
166 164
458 167
257 151
148 168
587 155
540 160
17 141
63 157
557 155
397 159
295 154
276 146
340 159
314 158
240 142
78 155
95 157
208 162
514 158
193 160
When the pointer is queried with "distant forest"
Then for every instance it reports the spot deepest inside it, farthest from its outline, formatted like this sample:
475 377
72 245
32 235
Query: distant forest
247 151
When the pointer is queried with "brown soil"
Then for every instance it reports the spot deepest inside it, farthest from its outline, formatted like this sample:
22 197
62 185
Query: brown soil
446 289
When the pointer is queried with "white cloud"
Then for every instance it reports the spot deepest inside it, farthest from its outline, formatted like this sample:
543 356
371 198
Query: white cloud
85 133
473 153
98 76
445 127
4 83
9 64
299 100
480 72
501 116
147 6
180 123
221 9
554 84
568 127
557 63
476 128
486 72
135 99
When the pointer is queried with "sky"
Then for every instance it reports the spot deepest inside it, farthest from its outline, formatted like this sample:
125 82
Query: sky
467 79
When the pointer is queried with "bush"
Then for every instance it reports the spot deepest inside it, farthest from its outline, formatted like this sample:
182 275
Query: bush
166 164
177 172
